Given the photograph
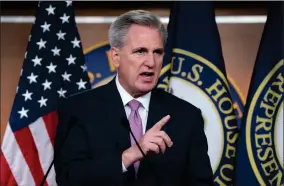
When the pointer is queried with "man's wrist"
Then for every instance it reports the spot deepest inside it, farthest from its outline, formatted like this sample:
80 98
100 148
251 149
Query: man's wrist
128 157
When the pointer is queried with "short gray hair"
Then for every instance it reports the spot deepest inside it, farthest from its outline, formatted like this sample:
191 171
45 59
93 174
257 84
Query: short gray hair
119 28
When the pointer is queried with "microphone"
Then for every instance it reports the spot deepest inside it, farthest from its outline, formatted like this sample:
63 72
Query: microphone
71 124
46 174
125 123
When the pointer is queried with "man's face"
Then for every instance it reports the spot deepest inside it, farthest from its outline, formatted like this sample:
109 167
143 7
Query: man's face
140 60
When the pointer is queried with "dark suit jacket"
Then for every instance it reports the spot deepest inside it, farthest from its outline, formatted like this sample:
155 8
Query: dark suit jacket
91 137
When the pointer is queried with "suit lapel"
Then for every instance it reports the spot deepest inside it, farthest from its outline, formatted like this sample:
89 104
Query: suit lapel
117 120
157 110
116 114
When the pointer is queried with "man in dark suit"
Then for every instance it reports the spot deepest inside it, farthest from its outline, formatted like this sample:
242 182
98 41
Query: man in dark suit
93 144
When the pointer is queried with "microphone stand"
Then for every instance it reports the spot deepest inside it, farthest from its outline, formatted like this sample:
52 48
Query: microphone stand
127 125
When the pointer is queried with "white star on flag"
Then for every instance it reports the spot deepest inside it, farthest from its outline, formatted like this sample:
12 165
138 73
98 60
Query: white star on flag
66 76
46 85
42 101
68 3
36 61
45 27
50 10
56 51
76 43
61 35
27 95
81 84
23 113
71 60
51 68
84 68
32 78
61 92
65 18
41 44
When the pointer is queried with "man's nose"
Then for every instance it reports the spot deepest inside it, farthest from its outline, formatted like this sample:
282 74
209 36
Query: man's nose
150 61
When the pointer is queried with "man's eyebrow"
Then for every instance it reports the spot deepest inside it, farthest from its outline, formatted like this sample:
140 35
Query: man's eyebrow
140 48
159 50
146 49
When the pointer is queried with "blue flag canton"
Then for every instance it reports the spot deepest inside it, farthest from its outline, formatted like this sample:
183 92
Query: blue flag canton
54 66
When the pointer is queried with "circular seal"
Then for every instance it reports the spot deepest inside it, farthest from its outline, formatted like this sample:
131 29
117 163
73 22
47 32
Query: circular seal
264 129
205 86
99 66
201 83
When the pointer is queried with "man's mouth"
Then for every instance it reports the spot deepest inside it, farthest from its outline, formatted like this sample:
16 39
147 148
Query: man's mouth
147 74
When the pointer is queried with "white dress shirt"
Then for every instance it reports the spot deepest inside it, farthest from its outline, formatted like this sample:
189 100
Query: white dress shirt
143 109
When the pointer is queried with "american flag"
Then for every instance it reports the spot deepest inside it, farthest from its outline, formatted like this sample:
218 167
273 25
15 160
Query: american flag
53 69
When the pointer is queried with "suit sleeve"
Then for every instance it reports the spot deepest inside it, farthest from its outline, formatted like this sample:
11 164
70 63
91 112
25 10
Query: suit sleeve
74 165
199 167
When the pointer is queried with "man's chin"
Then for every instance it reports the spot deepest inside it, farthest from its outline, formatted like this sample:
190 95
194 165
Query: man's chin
146 88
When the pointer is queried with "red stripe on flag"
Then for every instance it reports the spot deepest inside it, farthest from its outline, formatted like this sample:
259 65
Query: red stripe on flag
7 177
51 121
30 152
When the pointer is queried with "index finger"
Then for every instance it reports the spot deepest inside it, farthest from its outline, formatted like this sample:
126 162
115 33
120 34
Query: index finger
161 123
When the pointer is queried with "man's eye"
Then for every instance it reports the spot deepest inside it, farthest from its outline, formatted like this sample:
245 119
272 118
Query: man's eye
140 52
158 52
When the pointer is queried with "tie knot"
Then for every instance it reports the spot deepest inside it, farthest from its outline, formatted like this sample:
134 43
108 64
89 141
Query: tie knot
134 104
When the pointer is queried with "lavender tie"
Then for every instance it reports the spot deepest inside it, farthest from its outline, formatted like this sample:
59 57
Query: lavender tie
135 124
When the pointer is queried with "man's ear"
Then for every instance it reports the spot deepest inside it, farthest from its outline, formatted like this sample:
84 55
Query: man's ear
114 54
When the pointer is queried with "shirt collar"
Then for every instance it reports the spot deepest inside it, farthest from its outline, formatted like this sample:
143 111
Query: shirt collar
126 97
